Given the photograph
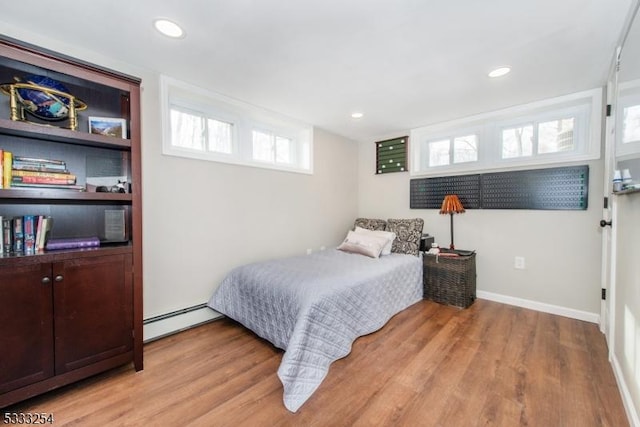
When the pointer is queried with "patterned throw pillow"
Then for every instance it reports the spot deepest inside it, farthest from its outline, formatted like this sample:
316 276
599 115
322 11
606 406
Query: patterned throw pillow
408 235
370 223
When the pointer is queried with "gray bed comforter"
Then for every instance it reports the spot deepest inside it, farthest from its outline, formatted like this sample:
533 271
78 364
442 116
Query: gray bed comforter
315 306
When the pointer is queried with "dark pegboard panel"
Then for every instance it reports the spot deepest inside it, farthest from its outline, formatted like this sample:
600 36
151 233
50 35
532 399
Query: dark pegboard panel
427 193
564 188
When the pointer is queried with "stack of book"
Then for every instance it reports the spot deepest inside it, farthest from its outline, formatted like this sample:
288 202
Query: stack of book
28 234
24 234
29 172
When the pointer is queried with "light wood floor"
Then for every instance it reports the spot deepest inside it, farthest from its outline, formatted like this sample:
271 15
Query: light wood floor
490 364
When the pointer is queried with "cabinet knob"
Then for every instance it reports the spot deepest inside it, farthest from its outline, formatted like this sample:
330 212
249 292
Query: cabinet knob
46 280
58 278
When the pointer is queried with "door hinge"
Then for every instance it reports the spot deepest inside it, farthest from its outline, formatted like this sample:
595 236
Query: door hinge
606 203
604 294
608 110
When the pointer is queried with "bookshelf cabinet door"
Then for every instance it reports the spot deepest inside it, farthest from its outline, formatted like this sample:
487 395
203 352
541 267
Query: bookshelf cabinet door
26 327
93 310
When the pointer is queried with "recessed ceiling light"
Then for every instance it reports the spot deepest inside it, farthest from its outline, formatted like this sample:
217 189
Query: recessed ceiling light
499 71
168 28
357 115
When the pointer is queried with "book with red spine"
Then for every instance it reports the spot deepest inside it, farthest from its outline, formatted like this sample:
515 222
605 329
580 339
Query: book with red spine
42 180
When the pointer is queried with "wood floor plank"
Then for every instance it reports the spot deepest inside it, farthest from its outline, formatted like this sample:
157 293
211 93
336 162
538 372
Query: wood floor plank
431 365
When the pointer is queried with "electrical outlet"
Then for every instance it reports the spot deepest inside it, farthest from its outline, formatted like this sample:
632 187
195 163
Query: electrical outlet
518 263
309 251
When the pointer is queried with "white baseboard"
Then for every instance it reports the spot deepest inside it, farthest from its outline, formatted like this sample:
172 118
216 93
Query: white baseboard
539 306
177 321
627 400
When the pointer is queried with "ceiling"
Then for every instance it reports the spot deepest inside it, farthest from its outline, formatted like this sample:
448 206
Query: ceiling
403 63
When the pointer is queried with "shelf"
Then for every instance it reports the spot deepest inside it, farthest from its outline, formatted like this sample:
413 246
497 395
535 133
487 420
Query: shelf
63 254
49 195
629 191
58 134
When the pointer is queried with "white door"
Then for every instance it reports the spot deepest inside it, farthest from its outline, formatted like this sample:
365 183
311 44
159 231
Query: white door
608 213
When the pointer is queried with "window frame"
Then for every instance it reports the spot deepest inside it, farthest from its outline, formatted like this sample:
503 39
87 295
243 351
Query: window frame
244 118
585 107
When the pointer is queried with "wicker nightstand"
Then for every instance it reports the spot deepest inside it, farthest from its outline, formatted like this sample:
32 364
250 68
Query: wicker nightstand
450 280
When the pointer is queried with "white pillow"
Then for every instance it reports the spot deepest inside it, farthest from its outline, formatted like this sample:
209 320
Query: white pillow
364 244
390 236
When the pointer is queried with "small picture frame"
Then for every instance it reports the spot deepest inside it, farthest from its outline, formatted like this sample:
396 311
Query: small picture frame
108 126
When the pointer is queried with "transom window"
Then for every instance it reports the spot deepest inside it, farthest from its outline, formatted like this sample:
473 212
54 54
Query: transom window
631 124
202 125
194 131
556 130
556 136
269 147
547 137
628 121
452 150
517 142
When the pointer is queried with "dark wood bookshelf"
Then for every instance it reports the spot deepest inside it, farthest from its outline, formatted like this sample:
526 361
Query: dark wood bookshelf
55 303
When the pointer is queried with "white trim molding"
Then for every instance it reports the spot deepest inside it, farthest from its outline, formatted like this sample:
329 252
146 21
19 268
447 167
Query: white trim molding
540 306
627 400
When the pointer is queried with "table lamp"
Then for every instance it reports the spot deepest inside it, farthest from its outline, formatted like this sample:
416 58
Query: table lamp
450 205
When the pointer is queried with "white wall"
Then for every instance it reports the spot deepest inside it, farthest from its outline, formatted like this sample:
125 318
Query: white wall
562 249
201 219
626 341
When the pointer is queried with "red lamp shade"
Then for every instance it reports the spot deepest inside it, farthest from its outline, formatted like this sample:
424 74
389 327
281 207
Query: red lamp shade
451 204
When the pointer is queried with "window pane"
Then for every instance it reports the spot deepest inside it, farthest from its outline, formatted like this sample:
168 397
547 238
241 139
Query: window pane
517 142
631 126
220 139
283 150
262 146
187 130
465 149
555 136
439 153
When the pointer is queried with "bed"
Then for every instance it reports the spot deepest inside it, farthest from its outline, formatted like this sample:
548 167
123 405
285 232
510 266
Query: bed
314 306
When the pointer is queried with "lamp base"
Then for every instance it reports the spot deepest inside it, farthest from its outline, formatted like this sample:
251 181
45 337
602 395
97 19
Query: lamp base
451 245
